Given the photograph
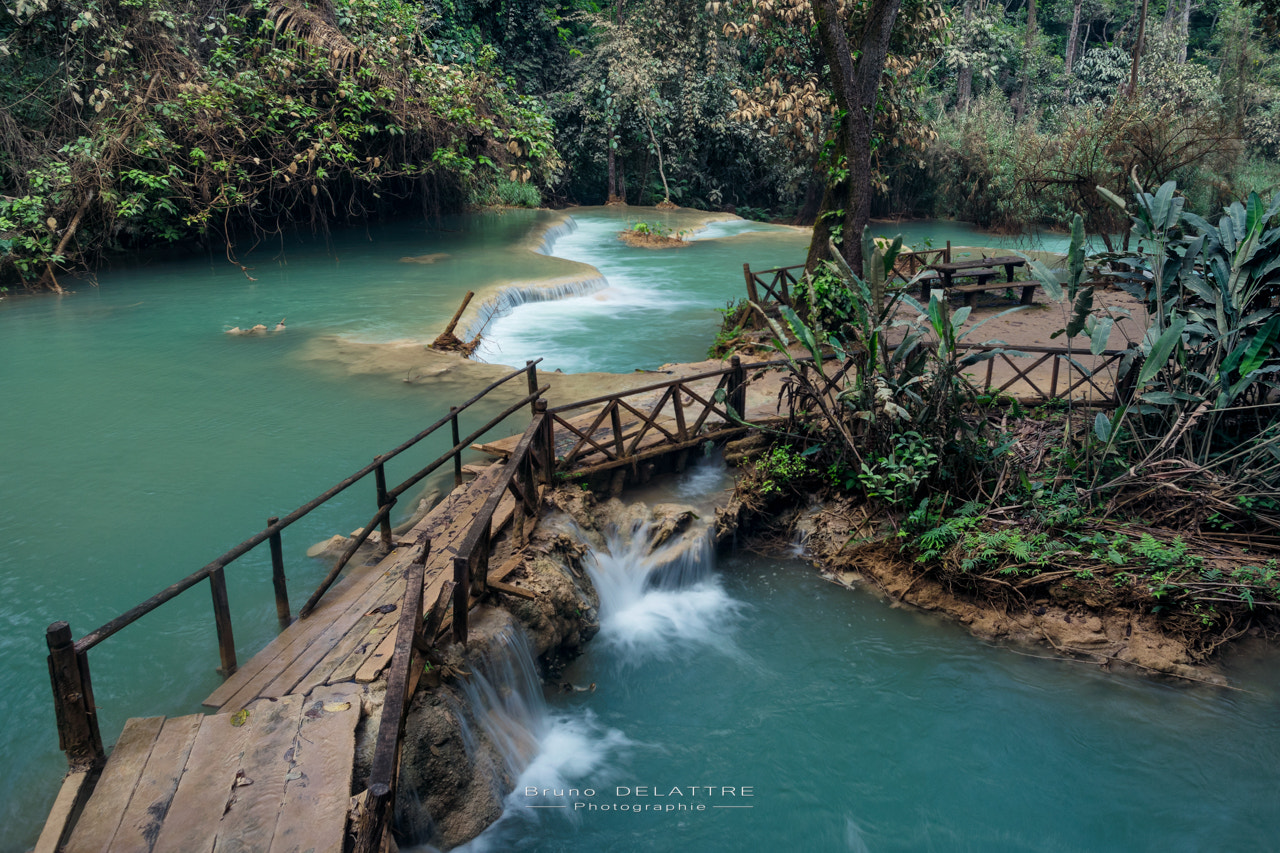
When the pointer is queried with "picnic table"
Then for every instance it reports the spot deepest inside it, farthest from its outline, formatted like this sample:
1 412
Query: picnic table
984 272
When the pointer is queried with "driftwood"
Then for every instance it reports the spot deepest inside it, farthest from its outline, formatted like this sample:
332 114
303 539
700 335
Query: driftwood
448 341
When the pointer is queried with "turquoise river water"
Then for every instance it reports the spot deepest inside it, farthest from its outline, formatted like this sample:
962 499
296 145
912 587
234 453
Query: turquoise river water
140 441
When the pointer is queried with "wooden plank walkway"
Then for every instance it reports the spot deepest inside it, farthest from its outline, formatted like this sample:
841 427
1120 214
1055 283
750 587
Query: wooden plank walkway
271 768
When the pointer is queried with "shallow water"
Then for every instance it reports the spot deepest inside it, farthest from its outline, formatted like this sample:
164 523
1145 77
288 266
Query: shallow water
140 441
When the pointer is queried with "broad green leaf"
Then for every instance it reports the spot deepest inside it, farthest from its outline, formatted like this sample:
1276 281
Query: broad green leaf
1159 398
1261 345
1101 427
1100 335
1112 198
1081 310
978 325
1161 350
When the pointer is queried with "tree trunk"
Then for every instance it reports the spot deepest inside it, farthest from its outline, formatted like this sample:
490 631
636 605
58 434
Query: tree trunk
613 173
1073 37
1186 30
855 84
1026 61
1137 50
964 86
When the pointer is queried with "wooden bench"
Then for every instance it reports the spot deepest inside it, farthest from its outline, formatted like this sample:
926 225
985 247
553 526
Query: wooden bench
971 291
981 276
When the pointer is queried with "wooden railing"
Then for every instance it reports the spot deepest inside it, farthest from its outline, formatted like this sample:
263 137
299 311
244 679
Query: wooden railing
1075 375
79 734
623 444
777 286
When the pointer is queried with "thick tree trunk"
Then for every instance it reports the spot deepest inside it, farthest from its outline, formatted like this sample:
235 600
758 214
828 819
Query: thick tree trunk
855 85
1026 61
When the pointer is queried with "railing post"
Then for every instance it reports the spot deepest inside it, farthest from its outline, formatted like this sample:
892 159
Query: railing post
222 619
615 423
682 429
480 573
78 734
461 597
532 367
380 481
277 576
548 441
751 284
738 387
1053 379
457 457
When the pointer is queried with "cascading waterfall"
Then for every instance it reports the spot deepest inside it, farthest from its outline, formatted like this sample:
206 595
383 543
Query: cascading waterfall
654 601
554 232
511 296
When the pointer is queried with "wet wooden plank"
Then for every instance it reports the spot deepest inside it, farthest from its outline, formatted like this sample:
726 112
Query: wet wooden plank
317 626
336 601
154 794
318 785
100 820
328 641
446 529
207 782
75 788
253 809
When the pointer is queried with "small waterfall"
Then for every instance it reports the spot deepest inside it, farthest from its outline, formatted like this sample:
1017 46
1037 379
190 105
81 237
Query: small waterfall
505 696
540 751
554 232
656 600
512 296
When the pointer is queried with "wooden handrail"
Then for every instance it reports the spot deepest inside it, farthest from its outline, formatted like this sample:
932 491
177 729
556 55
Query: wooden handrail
94 637
380 802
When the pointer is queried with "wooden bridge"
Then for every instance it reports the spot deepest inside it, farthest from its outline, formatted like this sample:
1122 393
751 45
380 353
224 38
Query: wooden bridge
271 767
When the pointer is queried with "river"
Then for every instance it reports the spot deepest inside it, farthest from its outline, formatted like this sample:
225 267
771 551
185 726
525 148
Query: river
140 441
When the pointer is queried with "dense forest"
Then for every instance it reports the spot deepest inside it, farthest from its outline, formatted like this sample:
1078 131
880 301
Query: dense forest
126 123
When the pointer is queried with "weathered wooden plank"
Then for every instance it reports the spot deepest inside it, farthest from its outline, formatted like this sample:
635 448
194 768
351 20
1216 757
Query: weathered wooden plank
100 819
154 794
76 788
376 660
330 639
350 654
338 599
446 532
509 589
313 816
253 809
318 628
207 783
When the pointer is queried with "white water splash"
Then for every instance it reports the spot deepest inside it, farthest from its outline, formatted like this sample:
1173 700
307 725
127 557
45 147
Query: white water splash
656 602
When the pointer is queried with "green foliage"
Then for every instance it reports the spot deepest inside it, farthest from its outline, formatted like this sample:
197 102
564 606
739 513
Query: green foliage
779 468
173 123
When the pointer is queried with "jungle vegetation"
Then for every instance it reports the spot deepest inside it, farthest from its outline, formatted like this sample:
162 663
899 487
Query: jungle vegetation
127 123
